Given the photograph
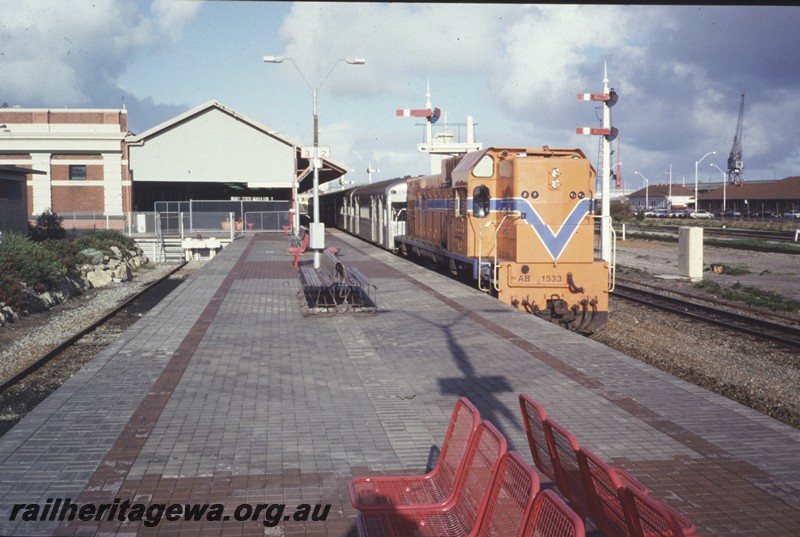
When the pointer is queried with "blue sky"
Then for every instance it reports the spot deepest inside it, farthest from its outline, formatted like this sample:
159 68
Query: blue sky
679 71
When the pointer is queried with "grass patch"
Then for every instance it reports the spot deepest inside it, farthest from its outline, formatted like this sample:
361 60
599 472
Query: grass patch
622 269
735 270
750 295
753 244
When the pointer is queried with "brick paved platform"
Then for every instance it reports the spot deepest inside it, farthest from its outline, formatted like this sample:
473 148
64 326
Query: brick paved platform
226 394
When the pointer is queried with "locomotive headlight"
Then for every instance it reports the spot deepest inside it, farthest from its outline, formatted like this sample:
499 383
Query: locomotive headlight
555 182
525 269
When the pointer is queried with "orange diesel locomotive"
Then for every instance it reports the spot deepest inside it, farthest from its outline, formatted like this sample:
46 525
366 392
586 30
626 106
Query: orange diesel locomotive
521 221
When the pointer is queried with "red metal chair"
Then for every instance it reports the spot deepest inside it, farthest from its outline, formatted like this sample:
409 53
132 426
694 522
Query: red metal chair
297 250
533 416
564 448
604 486
382 492
457 517
511 498
648 517
551 517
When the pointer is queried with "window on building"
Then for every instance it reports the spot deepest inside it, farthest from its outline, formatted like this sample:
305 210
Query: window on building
77 172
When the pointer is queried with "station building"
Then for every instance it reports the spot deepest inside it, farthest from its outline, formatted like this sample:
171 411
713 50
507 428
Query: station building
776 196
661 197
95 173
755 196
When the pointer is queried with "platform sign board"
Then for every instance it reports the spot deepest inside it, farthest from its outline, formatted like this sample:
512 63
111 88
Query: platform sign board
323 151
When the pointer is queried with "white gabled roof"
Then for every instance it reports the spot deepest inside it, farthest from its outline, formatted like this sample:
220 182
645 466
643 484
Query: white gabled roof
189 114
177 120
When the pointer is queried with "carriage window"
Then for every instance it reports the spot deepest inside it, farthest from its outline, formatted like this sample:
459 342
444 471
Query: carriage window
399 211
484 167
480 202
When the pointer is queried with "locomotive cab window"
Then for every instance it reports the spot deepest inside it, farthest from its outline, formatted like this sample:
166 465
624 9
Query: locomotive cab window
480 202
484 167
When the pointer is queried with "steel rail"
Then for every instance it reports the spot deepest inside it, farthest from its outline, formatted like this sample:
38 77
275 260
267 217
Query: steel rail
760 328
61 347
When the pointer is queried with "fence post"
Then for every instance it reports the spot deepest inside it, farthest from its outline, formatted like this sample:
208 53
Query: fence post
232 220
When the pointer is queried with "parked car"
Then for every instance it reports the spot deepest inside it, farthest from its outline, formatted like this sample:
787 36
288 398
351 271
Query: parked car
700 214
661 213
766 213
679 213
794 213
730 213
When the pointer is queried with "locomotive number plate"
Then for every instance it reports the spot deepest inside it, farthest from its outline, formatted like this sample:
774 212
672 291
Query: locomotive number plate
552 278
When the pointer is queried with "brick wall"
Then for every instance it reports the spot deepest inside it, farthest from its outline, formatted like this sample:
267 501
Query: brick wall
79 199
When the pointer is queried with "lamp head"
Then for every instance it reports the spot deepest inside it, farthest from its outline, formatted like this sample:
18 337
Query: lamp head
274 59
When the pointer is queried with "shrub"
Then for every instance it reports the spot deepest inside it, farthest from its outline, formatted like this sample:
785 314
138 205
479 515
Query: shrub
620 211
40 263
48 227
104 240
26 262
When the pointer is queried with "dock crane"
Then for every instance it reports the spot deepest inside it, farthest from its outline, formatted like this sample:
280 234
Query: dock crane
735 162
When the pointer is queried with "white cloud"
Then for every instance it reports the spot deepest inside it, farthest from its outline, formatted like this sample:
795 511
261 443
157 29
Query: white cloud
64 53
399 41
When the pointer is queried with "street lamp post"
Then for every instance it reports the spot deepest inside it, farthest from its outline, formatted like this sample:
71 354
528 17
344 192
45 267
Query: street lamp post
697 163
646 191
317 229
724 186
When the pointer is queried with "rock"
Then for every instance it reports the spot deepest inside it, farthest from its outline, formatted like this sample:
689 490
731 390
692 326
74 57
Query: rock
122 273
99 278
69 287
95 256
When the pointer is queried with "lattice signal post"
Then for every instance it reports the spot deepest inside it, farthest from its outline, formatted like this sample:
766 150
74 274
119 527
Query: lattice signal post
608 98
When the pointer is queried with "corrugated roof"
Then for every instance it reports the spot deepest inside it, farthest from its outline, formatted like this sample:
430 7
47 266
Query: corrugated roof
662 191
785 189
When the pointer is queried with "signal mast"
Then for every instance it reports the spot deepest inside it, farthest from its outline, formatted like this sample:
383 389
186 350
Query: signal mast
735 162
609 98
442 145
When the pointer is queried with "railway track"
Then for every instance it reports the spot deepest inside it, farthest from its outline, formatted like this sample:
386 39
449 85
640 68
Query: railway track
38 363
774 332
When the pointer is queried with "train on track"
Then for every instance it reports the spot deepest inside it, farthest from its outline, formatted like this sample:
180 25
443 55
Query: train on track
518 221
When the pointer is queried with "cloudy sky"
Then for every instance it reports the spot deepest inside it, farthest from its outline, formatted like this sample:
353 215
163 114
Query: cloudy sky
679 71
